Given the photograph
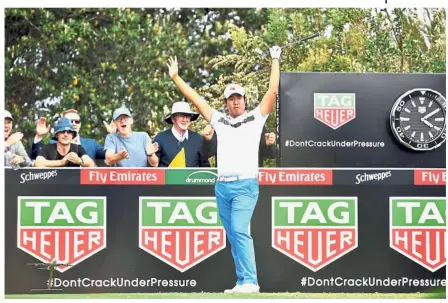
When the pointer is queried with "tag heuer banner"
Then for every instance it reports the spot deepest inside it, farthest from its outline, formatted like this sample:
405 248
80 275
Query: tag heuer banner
362 120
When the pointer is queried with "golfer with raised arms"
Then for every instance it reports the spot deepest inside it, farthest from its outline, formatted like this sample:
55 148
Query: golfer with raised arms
237 186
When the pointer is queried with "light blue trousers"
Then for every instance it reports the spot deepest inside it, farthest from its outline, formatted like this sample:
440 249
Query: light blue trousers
236 204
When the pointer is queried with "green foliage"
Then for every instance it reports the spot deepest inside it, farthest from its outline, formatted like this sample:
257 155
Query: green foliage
95 60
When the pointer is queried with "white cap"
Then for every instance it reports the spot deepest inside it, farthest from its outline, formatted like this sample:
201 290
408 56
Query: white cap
8 115
233 89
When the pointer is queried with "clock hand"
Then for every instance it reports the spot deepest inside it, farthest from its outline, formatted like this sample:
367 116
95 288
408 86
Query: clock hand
427 123
430 114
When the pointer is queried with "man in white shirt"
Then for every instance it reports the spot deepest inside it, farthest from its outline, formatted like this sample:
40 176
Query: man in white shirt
237 152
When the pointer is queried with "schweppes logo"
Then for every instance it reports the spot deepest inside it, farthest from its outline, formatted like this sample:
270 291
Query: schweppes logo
417 229
314 231
64 230
180 231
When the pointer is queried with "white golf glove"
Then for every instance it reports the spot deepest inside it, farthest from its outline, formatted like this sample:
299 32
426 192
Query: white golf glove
275 52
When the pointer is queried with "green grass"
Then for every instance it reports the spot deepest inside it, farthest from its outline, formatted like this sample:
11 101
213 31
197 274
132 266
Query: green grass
296 295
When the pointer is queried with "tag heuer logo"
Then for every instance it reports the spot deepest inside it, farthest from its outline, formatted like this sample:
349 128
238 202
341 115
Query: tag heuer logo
64 230
180 231
314 231
334 110
417 229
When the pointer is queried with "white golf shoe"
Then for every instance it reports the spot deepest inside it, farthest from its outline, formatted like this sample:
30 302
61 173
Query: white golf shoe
243 289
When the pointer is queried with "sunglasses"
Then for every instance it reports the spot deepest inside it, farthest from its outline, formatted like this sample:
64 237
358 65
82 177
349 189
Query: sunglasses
76 121
66 132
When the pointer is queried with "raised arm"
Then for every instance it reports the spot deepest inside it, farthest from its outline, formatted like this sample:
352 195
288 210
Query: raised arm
267 103
203 108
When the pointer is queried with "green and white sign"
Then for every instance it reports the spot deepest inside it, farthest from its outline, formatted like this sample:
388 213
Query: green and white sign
61 229
418 228
314 231
180 231
334 109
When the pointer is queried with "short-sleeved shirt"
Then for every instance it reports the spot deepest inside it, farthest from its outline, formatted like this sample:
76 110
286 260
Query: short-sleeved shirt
135 145
50 152
238 142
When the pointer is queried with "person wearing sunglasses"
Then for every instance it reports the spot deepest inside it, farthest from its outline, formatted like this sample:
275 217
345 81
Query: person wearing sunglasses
91 146
64 153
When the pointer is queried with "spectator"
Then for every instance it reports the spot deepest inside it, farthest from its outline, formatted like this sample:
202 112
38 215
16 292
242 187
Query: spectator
127 148
64 152
267 149
178 139
15 153
91 146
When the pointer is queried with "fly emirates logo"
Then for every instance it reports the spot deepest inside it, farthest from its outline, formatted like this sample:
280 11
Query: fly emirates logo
122 176
295 177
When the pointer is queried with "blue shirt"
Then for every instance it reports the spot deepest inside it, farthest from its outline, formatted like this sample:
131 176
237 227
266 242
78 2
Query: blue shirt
134 144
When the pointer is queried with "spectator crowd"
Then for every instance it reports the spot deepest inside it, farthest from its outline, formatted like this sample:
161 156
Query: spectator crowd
177 146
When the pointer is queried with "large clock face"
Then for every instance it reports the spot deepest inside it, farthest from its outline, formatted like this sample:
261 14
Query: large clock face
417 119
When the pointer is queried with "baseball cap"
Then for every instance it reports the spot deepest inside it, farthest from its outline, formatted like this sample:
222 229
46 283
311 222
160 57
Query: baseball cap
233 89
121 111
8 115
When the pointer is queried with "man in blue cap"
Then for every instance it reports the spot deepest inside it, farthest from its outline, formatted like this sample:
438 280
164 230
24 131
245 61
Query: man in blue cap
64 152
127 148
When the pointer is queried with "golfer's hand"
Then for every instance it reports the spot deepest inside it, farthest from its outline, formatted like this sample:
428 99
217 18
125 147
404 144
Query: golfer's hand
208 132
270 139
173 68
275 52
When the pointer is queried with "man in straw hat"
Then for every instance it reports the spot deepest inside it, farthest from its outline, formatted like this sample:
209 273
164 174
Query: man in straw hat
179 146
64 152
236 188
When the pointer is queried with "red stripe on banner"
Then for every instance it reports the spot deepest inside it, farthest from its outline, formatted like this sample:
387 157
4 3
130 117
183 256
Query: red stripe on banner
142 176
430 177
295 177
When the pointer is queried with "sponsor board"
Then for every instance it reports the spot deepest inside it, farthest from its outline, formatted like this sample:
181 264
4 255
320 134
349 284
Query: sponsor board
334 109
430 177
295 177
418 228
180 231
64 230
314 231
112 176
191 176
367 177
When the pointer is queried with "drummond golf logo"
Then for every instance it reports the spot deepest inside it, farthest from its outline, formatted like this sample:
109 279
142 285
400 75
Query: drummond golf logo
191 177
314 231
64 230
417 229
202 176
180 231
334 110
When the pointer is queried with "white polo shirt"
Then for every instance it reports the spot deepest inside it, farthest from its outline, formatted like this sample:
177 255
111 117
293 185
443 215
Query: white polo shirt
238 142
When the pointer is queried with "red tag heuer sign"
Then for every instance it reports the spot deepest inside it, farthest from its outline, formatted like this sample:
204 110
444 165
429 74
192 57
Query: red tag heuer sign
64 230
180 231
334 110
314 231
417 229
